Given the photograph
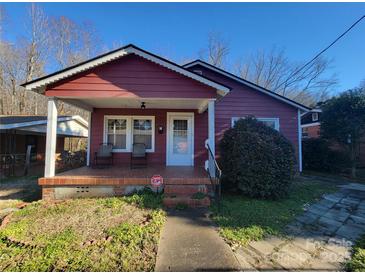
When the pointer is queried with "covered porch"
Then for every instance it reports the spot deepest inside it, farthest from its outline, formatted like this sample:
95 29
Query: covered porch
178 133
124 175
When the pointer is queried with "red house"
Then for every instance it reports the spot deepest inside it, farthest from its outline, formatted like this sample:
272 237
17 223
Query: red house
178 112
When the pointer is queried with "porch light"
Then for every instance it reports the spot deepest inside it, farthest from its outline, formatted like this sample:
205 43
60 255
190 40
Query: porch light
143 105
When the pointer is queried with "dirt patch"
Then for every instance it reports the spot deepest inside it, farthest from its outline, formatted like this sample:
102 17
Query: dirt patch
105 234
90 218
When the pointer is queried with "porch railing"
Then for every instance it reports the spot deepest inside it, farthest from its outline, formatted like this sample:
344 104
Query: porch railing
215 175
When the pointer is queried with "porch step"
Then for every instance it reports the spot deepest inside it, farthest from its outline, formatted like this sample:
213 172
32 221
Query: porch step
185 200
185 189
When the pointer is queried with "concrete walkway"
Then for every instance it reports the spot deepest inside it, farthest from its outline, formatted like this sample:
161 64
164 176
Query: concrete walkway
320 239
190 242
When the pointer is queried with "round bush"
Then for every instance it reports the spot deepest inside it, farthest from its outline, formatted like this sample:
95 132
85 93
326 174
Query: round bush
257 160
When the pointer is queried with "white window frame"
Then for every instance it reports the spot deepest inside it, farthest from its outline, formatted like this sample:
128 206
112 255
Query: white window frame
262 119
314 116
152 118
129 131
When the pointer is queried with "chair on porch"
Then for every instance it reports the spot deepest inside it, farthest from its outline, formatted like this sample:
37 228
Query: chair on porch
104 154
138 154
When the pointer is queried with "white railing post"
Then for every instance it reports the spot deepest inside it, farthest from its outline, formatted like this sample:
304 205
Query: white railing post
211 135
51 139
300 159
89 139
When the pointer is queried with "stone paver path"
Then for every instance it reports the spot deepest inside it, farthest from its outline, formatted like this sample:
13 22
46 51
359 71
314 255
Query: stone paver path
319 239
189 241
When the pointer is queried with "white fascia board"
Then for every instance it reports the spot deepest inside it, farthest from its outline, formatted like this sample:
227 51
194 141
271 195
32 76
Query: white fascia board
120 53
311 124
41 122
79 119
238 79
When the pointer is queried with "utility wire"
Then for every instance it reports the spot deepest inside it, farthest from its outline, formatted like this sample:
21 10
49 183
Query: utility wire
322 51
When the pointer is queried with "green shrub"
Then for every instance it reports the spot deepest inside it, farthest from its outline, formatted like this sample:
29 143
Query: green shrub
318 156
357 261
257 160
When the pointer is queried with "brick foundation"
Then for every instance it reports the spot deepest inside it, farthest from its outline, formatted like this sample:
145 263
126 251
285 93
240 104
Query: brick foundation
48 193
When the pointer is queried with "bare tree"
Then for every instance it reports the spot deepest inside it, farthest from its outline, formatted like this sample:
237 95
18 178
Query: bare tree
37 43
12 66
72 43
216 51
273 70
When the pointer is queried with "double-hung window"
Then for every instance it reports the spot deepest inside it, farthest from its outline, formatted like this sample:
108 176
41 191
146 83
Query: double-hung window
270 122
117 133
123 131
142 132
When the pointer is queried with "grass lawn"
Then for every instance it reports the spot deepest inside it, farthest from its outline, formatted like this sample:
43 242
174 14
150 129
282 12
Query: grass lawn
243 219
104 234
357 261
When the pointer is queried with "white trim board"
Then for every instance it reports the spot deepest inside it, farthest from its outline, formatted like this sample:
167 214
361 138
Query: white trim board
40 122
311 124
130 49
238 79
300 143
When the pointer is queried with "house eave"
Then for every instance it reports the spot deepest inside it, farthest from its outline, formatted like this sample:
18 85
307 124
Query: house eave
116 54
247 83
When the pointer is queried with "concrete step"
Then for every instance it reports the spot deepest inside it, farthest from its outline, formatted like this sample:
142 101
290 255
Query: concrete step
185 189
185 200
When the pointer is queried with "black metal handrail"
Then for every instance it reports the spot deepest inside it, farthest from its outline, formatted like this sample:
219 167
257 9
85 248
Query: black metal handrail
216 180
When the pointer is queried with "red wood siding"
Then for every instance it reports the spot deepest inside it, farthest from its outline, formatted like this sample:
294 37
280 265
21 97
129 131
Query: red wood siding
159 156
130 76
243 101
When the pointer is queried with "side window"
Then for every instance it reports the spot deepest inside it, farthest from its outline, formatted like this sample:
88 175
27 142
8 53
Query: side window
270 122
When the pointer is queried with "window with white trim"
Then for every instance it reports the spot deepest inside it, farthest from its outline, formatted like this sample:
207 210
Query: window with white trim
142 132
315 116
123 131
117 133
270 122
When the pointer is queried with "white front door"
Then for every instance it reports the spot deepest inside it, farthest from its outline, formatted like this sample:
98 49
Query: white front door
180 139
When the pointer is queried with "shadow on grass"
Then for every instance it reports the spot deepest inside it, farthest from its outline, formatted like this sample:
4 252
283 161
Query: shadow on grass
22 189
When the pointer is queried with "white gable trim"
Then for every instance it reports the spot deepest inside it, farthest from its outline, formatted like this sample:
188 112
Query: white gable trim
238 79
41 122
118 54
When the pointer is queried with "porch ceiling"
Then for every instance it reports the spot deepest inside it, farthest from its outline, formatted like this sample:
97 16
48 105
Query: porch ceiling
171 103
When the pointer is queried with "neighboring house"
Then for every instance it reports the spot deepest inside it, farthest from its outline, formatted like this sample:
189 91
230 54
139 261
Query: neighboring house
19 132
176 111
311 123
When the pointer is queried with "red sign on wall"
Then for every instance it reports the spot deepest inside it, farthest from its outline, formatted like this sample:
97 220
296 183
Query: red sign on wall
156 180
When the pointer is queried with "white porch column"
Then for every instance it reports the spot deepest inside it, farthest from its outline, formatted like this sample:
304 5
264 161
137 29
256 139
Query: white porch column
51 139
211 135
300 142
89 139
